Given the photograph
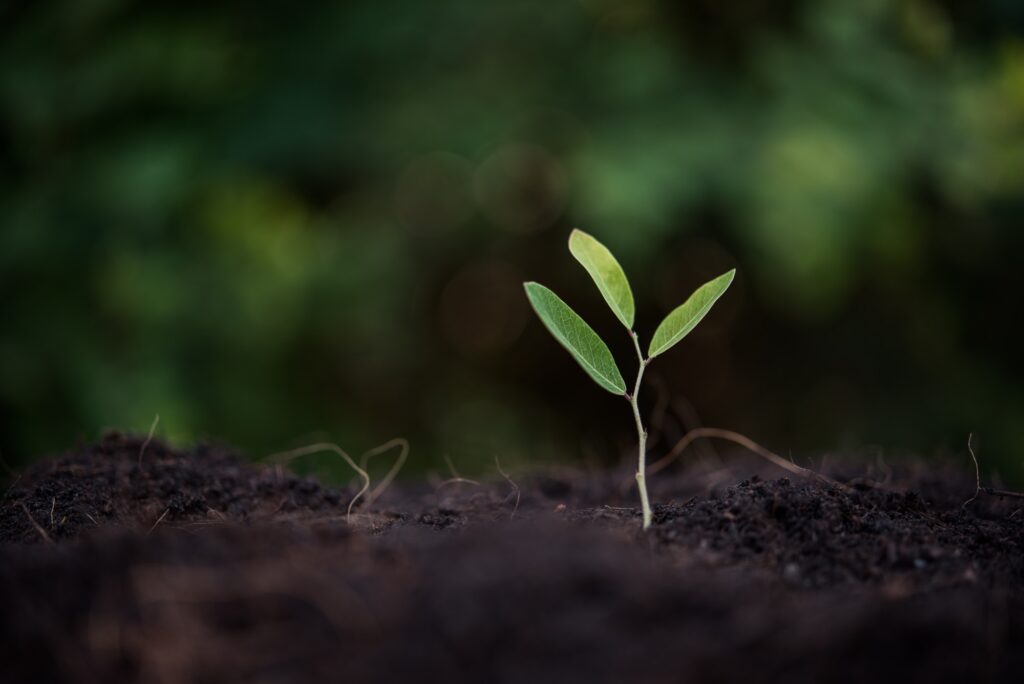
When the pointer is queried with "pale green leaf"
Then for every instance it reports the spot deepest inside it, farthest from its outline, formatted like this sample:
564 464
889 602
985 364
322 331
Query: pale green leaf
606 272
685 318
573 333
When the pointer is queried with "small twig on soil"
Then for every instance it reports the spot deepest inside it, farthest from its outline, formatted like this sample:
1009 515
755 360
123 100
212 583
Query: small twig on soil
400 442
743 441
39 529
515 487
158 521
149 437
53 505
285 456
978 489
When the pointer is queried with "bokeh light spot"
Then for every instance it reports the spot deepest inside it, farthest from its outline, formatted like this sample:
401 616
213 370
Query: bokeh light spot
521 188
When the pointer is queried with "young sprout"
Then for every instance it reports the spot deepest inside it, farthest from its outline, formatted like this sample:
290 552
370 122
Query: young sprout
590 351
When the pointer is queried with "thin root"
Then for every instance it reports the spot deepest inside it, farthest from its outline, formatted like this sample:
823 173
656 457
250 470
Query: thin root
286 456
400 442
13 485
515 487
977 472
455 478
39 528
745 442
978 489
1005 493
149 437
158 521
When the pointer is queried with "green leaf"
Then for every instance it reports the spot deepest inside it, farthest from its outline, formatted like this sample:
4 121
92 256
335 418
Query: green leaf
685 318
573 333
606 272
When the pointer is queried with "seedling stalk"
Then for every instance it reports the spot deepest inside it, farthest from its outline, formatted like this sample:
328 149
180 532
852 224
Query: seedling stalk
641 434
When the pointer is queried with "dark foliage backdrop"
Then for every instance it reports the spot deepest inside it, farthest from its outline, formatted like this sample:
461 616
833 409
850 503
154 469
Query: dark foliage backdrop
270 222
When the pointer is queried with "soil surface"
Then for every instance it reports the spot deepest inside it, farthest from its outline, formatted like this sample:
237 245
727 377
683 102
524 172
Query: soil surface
194 566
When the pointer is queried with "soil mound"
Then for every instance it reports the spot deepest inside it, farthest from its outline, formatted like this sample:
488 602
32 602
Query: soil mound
191 565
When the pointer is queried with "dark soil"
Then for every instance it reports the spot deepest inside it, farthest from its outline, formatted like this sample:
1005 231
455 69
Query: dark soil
195 567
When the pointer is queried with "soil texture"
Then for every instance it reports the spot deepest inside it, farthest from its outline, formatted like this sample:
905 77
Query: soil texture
195 566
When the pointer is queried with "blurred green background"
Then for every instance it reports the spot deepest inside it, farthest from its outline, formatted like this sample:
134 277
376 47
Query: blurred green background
273 222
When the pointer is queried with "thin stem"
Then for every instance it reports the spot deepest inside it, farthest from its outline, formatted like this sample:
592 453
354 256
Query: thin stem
641 477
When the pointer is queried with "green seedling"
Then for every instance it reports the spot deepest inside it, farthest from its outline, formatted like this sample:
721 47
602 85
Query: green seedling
590 351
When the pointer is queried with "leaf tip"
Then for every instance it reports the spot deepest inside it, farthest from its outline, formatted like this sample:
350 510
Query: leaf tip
575 235
728 276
